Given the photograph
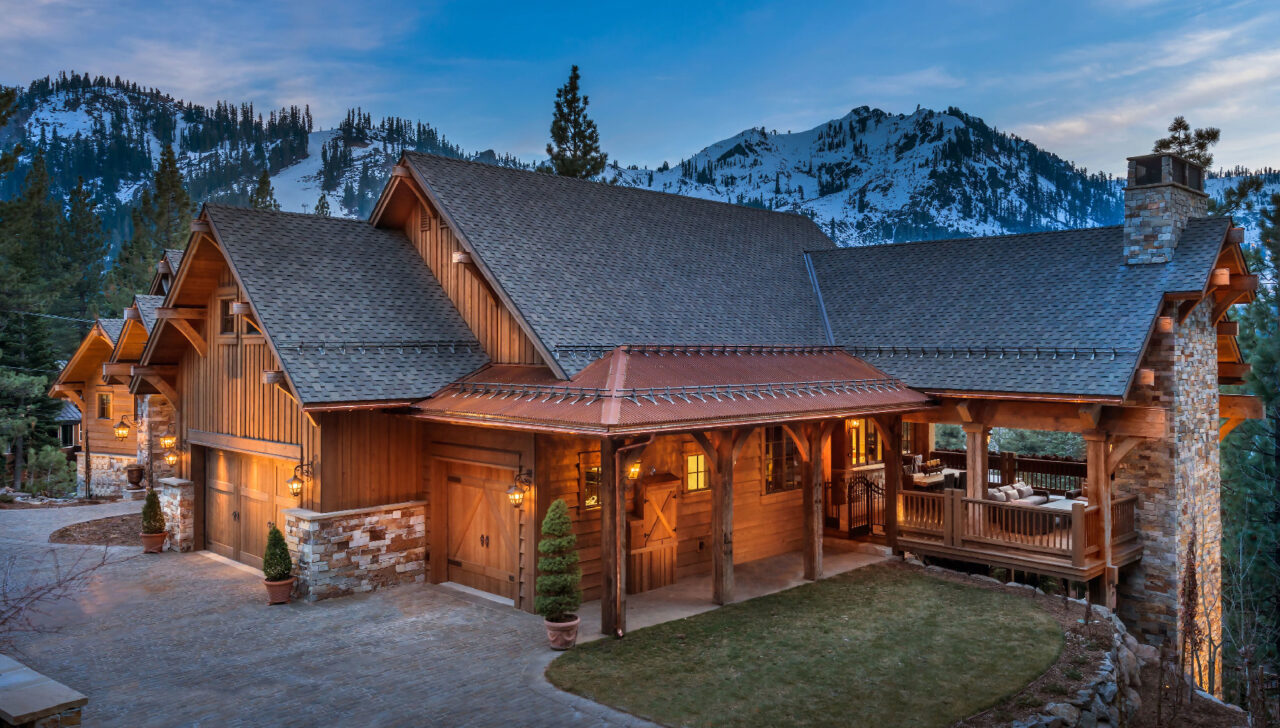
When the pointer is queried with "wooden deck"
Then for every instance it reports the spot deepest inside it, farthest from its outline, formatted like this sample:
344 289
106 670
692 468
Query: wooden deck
1057 542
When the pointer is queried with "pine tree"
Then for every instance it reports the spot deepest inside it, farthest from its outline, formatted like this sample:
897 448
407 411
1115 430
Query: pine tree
264 196
575 142
84 257
322 206
558 585
1187 143
172 205
161 220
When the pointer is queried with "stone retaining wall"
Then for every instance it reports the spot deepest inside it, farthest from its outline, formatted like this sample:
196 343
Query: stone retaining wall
359 550
108 472
178 503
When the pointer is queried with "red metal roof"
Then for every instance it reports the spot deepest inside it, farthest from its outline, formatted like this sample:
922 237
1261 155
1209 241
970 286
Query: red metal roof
655 388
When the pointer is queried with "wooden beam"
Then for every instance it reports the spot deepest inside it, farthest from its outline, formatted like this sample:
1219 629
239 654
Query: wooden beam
976 435
116 372
1235 236
722 449
1231 372
1052 416
461 257
1148 422
969 410
816 444
1090 415
1226 427
71 395
1120 447
1228 328
131 314
241 308
613 522
799 434
180 312
272 376
1146 377
1243 406
1243 282
1220 277
162 385
201 226
164 370
247 445
1098 493
192 336
890 429
399 171
1164 324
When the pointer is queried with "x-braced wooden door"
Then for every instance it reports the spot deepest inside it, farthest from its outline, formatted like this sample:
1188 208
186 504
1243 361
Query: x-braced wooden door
482 529
652 561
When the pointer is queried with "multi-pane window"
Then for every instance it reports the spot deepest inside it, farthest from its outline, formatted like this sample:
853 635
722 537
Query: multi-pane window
589 478
781 461
226 319
104 405
864 442
909 437
696 476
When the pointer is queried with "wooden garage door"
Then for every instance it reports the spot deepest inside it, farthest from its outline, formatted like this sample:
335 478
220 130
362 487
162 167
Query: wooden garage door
482 528
243 494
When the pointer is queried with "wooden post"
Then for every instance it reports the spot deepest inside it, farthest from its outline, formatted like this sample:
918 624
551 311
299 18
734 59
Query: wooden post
1008 468
813 502
890 427
1098 493
1078 538
976 435
721 449
613 521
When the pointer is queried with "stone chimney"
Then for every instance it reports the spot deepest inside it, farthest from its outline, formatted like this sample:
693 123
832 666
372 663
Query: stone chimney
1164 191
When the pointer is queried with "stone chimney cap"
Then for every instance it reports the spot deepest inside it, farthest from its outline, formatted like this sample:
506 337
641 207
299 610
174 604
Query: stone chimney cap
1164 168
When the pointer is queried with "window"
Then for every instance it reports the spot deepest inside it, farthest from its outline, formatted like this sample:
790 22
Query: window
104 405
67 434
226 319
695 473
909 437
864 442
589 478
781 461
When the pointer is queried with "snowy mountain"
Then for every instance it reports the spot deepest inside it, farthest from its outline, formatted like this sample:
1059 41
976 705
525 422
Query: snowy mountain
867 177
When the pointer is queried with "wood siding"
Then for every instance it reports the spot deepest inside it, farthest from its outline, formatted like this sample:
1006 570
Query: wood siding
224 393
102 437
499 333
370 459
763 525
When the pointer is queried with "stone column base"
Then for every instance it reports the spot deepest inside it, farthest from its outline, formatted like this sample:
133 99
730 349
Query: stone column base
359 550
178 503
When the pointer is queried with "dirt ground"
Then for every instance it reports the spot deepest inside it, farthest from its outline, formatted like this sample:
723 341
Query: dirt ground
18 505
112 531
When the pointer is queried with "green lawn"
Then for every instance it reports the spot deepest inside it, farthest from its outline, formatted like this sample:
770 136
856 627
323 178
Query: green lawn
880 646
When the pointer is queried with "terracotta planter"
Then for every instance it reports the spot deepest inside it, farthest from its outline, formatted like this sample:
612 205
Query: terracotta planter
153 543
280 592
562 635
134 473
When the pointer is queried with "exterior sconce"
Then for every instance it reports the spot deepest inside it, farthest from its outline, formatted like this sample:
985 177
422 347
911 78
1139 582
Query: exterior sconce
123 428
168 439
171 457
302 472
521 485
633 472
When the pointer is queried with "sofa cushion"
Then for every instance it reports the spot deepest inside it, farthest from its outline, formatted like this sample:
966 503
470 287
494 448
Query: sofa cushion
1024 490
1010 493
1033 500
995 495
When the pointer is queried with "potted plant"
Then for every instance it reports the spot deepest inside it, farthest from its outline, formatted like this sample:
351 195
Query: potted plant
153 530
277 568
560 577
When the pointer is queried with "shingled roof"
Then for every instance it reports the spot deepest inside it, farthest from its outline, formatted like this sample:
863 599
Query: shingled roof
352 310
590 266
1051 312
147 306
112 328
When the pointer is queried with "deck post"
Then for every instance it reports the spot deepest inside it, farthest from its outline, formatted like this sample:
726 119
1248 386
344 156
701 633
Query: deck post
1098 492
613 521
976 435
813 506
1078 537
722 522
890 427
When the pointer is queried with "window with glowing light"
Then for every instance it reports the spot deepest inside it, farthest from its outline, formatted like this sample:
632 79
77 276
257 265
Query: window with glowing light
589 478
104 405
696 475
781 461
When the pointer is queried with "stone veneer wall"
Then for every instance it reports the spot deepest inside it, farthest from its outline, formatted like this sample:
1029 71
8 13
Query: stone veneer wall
109 477
359 550
1177 481
155 411
178 503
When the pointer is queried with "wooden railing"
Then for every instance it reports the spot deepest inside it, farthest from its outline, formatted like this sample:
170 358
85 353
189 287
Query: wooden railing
1057 475
953 519
1124 519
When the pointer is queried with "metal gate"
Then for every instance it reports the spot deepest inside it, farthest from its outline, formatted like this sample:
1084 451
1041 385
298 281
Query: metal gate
866 503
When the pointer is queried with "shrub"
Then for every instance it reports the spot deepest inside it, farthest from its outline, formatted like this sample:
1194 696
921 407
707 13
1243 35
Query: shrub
276 564
152 517
51 474
6 497
559 595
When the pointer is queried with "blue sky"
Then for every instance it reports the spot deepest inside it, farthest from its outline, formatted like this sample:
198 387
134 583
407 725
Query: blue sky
1094 81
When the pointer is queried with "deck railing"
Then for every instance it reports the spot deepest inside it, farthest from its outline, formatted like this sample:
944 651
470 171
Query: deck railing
1124 519
949 518
1057 475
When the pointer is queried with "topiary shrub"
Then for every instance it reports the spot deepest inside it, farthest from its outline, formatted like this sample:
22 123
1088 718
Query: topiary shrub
152 516
558 585
276 564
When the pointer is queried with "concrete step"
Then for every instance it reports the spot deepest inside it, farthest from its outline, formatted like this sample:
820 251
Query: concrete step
131 494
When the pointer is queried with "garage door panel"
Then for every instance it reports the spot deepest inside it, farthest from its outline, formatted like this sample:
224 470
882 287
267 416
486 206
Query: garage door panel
245 494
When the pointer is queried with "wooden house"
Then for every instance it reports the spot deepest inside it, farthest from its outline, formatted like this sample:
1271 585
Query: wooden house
704 384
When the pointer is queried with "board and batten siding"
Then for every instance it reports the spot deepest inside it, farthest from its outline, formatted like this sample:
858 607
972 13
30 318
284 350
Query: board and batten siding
101 432
223 392
763 525
493 324
370 459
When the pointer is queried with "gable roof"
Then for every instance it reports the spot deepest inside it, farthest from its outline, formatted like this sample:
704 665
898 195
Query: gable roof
1051 312
663 388
68 413
147 306
85 364
593 265
352 312
112 328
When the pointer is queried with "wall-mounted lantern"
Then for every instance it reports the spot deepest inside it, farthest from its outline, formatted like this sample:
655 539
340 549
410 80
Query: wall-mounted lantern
521 484
123 427
171 457
302 472
168 439
633 471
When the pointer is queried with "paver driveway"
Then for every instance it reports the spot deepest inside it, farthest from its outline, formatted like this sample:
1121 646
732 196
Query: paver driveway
181 639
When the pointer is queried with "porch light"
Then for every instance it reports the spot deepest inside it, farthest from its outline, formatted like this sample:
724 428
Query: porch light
170 456
121 429
168 439
302 472
522 483
633 472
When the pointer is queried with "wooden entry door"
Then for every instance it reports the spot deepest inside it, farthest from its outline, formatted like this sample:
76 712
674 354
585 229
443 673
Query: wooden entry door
652 558
482 528
243 494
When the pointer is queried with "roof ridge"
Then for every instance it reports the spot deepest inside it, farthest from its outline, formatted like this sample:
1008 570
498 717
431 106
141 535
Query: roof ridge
1006 236
311 215
619 187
